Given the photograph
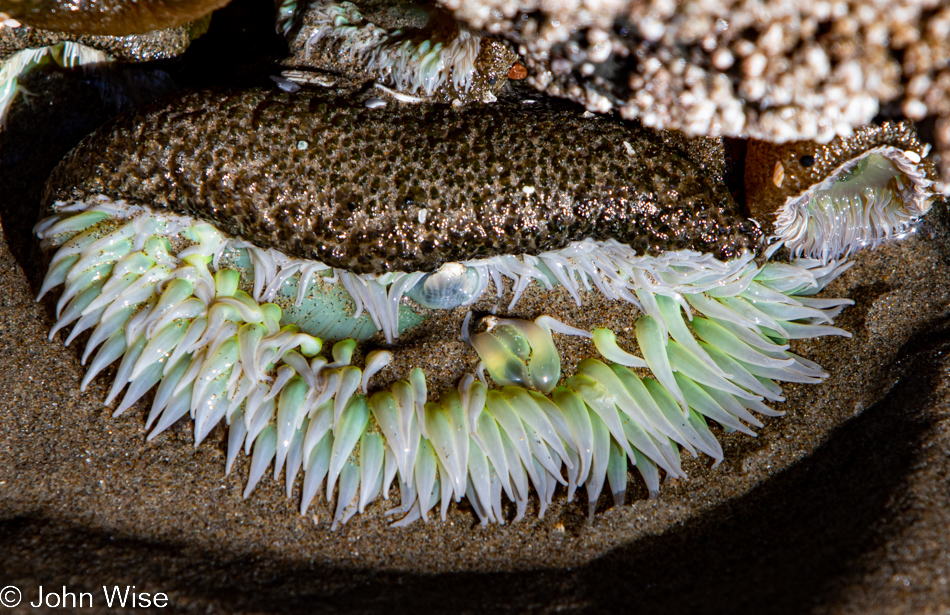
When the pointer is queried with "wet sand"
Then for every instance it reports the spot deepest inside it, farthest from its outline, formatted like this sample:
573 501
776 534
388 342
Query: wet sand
840 506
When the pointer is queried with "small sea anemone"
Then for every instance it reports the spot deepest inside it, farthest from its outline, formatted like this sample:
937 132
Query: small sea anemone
66 54
25 48
832 199
440 60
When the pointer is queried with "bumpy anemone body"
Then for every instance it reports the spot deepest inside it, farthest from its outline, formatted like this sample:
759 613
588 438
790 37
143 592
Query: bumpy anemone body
405 188
229 323
419 51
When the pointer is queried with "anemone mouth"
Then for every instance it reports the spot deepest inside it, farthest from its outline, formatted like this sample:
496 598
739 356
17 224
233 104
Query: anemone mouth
190 313
867 200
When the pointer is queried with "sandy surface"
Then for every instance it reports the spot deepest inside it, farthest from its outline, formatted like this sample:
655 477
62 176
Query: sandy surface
840 506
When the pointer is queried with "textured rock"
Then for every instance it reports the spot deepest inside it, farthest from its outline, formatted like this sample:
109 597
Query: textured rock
157 45
107 17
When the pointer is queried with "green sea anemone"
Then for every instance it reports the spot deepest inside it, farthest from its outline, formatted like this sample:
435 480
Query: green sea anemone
308 363
157 294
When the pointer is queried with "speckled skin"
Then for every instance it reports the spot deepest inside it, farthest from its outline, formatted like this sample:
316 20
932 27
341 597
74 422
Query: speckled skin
765 196
347 185
158 45
108 17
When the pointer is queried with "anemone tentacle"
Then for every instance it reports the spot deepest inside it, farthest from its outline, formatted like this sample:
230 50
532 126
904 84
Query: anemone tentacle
160 295
408 64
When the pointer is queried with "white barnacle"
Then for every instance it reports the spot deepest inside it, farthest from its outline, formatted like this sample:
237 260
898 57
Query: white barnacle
8 22
778 174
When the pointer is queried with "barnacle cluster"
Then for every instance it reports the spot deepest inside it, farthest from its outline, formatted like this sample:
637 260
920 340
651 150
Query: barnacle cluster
767 69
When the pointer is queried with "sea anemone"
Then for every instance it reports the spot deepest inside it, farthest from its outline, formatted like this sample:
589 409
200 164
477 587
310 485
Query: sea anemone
228 328
66 54
826 201
435 58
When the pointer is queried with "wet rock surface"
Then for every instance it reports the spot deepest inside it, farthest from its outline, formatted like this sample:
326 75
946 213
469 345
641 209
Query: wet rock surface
839 506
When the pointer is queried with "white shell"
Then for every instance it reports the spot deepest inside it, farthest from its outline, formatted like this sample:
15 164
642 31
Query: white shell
452 285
